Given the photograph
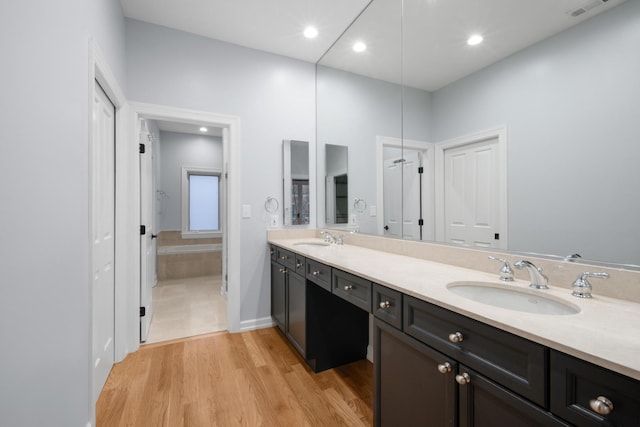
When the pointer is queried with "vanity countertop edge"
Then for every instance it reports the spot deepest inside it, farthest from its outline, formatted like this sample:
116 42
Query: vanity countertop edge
604 332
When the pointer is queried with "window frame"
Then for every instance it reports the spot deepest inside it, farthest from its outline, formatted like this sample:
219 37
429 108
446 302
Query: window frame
193 234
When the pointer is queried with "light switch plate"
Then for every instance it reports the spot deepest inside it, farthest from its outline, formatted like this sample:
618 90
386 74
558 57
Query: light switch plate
373 210
274 221
246 211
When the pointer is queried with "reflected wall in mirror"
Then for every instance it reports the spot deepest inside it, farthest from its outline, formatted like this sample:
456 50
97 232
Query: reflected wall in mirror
336 184
295 182
564 88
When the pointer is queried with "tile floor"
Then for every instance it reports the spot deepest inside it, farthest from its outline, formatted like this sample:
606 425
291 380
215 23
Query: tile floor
187 307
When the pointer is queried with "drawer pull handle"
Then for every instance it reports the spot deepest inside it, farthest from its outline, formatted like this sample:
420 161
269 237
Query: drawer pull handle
283 257
456 337
385 304
463 378
298 264
316 273
444 368
283 270
601 405
348 288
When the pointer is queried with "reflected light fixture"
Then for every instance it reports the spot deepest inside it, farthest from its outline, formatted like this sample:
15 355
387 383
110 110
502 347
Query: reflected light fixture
359 46
311 32
474 40
203 129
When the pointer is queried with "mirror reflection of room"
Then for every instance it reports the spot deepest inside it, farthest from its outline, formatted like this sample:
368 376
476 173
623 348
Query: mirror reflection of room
336 184
296 182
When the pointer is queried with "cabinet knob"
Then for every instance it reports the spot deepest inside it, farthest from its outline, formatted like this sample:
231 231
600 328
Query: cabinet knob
463 378
316 273
385 304
456 337
444 368
348 288
601 405
298 264
283 257
283 270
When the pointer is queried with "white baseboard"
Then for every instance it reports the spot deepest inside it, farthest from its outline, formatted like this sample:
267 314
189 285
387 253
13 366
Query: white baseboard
251 325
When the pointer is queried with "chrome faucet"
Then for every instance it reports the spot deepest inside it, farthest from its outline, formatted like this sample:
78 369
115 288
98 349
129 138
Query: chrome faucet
581 287
538 280
328 237
506 273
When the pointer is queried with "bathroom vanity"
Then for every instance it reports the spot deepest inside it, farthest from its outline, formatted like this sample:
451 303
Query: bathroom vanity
444 360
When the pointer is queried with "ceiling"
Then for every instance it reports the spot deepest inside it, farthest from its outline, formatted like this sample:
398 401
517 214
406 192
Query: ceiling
433 32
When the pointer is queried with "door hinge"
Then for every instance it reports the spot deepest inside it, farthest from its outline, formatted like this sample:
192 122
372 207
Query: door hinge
420 222
496 236
143 311
421 169
143 230
142 149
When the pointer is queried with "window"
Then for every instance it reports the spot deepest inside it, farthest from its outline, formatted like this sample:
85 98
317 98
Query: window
200 202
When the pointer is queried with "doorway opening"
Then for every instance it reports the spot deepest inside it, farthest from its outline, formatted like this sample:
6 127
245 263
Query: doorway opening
185 269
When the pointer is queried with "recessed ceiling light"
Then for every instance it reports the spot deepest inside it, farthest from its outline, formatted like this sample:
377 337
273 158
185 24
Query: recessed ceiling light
475 40
203 129
311 32
359 47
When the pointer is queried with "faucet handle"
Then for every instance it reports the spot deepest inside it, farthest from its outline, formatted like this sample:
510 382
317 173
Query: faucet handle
506 273
581 287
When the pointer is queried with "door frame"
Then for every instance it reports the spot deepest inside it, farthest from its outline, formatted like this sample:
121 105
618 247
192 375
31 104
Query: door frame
99 71
500 133
231 171
427 150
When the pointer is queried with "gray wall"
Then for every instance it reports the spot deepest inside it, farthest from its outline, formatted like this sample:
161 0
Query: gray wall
275 99
178 150
44 128
571 107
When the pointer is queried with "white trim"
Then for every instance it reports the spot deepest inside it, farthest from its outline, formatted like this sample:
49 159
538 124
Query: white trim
99 71
428 198
500 133
189 249
231 144
252 325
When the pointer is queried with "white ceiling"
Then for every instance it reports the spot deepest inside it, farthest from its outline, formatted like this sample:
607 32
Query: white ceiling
434 32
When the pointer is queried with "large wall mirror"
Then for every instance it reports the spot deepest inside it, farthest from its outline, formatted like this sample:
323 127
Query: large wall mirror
528 141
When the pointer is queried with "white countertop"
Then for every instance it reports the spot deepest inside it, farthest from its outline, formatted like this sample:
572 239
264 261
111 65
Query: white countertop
605 332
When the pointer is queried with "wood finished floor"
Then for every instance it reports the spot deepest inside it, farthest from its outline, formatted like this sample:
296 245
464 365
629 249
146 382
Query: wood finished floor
247 379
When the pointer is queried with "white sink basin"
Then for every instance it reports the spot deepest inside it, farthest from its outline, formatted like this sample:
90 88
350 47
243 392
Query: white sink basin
512 298
312 244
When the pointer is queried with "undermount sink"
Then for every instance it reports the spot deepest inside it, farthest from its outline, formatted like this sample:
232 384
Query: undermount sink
512 298
312 244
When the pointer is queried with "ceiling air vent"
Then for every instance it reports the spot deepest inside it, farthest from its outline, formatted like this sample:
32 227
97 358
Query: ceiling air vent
592 4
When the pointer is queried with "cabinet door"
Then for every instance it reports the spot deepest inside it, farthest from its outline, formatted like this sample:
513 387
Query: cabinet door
484 403
278 295
410 389
296 326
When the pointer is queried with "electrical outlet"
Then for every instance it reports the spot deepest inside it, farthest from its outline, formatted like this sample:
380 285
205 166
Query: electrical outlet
353 220
274 221
373 210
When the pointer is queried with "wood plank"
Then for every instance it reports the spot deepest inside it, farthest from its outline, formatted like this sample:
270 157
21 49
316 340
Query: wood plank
249 379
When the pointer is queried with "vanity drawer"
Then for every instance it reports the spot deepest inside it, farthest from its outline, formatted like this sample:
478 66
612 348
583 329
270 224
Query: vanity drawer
387 305
319 274
286 258
352 288
575 383
300 265
514 362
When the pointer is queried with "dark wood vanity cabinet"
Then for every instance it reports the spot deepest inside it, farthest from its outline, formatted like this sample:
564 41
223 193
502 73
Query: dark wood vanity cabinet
589 395
325 329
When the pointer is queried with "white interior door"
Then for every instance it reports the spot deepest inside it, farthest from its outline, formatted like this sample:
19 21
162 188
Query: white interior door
472 202
392 190
147 243
411 195
102 234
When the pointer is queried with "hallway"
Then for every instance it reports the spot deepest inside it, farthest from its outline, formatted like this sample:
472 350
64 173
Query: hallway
187 307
